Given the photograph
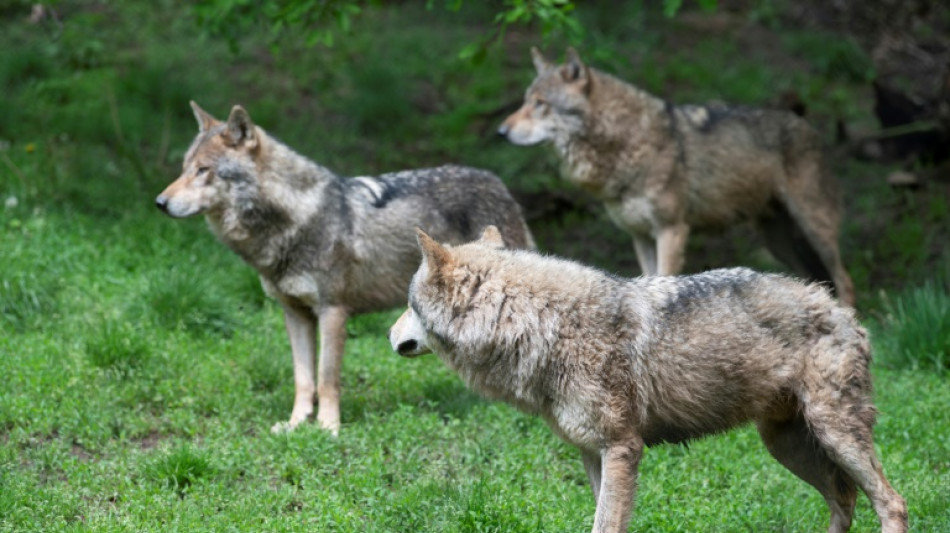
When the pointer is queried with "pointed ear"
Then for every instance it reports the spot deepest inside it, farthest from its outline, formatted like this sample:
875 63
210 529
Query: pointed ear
540 63
435 255
205 120
240 128
574 70
492 237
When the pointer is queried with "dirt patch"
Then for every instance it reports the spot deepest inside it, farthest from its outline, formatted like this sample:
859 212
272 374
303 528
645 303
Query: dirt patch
150 441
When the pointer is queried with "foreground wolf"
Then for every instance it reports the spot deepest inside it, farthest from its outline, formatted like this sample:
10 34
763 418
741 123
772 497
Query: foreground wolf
662 169
615 364
327 247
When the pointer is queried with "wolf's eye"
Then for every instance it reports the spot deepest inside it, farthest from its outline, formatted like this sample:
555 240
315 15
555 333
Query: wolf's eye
539 103
202 170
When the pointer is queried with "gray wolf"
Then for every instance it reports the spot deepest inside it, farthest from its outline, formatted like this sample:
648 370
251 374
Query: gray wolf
615 364
663 169
326 247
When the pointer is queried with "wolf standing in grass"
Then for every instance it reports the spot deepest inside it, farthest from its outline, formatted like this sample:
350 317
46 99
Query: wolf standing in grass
327 247
615 364
662 169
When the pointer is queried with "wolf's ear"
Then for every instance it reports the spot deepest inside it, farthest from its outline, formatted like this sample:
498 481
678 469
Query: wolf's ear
240 129
574 70
435 255
492 237
205 120
541 64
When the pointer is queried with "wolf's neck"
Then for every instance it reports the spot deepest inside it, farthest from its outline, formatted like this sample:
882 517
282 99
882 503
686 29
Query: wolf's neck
620 113
622 119
505 367
286 191
284 168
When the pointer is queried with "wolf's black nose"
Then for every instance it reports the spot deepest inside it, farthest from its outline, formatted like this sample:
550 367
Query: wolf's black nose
503 130
162 203
407 346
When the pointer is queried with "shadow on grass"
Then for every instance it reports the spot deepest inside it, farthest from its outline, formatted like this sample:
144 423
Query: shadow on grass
449 399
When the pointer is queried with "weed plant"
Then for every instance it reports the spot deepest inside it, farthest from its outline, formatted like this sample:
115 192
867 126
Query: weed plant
914 331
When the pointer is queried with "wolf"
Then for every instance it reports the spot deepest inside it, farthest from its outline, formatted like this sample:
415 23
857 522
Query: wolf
614 364
662 169
326 247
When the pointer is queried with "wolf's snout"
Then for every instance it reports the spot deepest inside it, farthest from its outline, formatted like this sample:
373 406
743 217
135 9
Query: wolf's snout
503 130
407 336
407 347
162 203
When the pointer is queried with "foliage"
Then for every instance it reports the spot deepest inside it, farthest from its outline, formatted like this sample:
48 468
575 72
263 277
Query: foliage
672 7
833 56
233 19
553 15
322 19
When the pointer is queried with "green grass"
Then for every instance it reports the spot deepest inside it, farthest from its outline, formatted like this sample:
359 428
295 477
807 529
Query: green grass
116 419
143 367
915 328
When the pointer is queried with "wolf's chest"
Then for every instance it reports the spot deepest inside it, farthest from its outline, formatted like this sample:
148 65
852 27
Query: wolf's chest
633 215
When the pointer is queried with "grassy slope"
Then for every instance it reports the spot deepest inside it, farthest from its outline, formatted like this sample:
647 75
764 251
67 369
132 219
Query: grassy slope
143 366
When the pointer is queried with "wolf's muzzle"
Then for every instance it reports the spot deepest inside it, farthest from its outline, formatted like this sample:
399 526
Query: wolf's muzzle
407 336
162 203
407 348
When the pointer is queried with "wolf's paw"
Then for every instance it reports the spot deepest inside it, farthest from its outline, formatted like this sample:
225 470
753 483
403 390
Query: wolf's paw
333 426
283 427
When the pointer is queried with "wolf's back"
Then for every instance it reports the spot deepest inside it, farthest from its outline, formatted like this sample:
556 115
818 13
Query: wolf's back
457 202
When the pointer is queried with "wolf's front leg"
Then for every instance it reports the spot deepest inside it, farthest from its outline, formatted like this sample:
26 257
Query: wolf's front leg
619 485
301 327
332 335
671 249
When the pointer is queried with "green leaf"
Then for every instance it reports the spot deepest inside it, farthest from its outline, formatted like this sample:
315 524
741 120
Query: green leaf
671 7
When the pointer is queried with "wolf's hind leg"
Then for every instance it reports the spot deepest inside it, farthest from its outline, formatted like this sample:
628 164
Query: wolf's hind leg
789 244
793 445
332 336
847 440
301 326
810 199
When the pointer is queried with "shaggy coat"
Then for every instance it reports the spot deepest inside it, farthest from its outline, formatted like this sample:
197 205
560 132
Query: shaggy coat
663 169
327 247
615 364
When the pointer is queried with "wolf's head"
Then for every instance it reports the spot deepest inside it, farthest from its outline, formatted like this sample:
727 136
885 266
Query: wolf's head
441 283
221 157
554 105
